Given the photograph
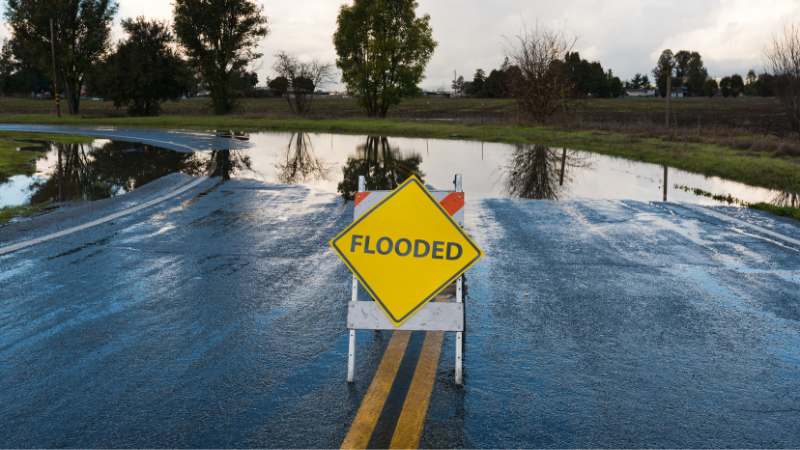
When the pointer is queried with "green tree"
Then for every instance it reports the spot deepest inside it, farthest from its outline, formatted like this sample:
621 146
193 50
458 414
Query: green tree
664 68
737 85
146 70
496 85
382 48
751 83
726 86
696 74
477 88
639 81
615 86
81 28
710 88
220 38
458 86
7 68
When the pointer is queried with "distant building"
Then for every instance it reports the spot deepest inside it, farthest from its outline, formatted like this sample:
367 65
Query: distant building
436 94
640 92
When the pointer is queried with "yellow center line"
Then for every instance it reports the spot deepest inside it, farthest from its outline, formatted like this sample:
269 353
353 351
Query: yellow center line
408 432
371 407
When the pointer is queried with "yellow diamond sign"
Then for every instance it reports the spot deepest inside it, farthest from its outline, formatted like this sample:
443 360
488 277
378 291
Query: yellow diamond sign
406 250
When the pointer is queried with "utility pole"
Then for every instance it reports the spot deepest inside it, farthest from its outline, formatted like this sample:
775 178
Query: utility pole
56 96
669 95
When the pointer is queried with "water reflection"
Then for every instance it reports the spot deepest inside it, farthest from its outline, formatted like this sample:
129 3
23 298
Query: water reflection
539 172
227 163
301 164
85 172
790 199
385 167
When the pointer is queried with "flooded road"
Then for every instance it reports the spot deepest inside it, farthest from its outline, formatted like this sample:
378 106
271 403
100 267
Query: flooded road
217 318
332 163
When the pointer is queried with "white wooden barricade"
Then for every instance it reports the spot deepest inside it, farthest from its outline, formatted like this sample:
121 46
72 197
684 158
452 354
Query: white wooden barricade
442 315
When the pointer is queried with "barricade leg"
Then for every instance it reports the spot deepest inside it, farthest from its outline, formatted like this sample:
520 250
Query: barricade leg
459 337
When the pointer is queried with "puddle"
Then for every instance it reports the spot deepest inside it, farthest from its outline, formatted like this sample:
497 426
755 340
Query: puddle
93 171
332 163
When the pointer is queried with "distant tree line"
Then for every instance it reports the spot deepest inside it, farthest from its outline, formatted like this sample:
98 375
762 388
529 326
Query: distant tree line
586 79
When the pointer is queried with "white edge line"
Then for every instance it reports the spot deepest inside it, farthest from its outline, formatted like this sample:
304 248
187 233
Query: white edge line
29 243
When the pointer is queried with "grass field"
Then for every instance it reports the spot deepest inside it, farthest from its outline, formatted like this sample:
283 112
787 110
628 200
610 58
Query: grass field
746 113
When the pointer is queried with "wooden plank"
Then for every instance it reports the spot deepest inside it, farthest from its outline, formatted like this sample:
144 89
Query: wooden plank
435 316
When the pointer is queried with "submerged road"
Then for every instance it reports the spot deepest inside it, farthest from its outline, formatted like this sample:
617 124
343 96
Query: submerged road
216 318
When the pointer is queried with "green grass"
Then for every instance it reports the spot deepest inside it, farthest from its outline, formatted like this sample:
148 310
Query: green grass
746 166
783 211
8 213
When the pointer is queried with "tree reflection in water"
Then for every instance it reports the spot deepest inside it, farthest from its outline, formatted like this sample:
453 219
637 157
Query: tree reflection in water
225 163
86 172
539 172
790 199
301 164
383 166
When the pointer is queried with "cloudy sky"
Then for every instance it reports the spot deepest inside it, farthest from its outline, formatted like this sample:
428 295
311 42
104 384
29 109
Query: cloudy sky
625 35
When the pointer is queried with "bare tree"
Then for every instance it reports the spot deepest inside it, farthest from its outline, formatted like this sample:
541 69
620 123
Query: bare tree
784 58
542 85
301 164
301 80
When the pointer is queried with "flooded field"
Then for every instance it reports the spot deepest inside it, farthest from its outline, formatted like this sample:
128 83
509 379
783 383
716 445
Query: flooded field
332 163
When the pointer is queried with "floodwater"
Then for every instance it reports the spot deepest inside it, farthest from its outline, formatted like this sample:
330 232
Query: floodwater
332 163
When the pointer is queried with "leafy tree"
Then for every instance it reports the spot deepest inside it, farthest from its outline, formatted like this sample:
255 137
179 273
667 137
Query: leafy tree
477 86
279 85
220 38
458 86
682 60
737 85
382 48
81 27
664 68
6 67
615 86
639 81
17 78
726 86
245 82
696 75
710 87
146 70
765 85
496 85
589 78
750 82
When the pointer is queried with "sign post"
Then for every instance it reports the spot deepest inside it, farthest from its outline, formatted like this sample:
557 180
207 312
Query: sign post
407 248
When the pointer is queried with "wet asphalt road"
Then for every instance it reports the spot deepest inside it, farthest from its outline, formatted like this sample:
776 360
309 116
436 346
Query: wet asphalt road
216 319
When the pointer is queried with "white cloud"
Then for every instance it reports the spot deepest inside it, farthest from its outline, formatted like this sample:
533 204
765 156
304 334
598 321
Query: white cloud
625 35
